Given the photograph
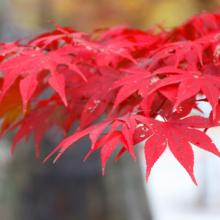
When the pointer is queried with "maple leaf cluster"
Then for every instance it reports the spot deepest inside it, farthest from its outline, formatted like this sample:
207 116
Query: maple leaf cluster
129 76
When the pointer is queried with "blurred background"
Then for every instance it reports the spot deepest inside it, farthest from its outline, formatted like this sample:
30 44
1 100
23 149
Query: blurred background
73 189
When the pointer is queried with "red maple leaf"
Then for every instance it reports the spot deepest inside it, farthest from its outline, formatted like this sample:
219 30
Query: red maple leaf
207 80
39 121
177 133
29 65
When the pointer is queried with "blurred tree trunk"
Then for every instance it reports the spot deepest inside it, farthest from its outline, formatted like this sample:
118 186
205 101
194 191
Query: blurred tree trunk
72 189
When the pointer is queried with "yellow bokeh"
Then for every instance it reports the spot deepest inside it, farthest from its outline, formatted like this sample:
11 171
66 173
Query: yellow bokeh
90 14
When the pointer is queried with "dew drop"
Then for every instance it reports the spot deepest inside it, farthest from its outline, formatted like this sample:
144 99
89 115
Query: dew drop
103 50
96 101
92 70
88 48
91 109
140 125
154 79
145 129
